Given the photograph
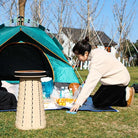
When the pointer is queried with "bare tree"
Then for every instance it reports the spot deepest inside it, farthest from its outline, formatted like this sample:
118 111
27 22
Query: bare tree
37 11
123 19
61 10
88 11
15 8
8 8
60 14
2 3
13 2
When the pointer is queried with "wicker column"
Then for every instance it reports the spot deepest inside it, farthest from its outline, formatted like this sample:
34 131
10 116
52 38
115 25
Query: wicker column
30 108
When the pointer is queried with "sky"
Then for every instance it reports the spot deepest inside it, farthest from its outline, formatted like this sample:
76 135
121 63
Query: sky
108 17
105 18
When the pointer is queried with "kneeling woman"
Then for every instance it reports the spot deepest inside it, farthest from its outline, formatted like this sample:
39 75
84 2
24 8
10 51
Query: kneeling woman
106 69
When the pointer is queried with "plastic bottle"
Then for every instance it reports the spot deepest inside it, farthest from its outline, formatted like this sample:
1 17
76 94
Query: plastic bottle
71 92
62 92
66 92
55 92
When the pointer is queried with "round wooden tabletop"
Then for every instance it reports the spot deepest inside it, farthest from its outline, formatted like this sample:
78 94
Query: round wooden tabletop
30 73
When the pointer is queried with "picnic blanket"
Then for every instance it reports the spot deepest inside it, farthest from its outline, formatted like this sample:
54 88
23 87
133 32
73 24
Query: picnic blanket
87 106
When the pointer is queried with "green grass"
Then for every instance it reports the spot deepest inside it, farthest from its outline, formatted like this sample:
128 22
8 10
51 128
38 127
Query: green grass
122 124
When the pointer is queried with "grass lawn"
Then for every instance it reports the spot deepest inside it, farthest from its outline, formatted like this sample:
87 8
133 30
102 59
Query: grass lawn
84 124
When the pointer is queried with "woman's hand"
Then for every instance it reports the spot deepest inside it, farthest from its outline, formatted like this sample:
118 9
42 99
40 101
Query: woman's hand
75 108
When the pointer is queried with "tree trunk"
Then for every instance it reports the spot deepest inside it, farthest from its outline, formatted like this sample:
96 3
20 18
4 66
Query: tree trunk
61 16
88 18
22 11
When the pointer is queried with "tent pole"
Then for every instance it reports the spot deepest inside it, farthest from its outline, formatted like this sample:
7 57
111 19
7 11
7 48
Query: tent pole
79 75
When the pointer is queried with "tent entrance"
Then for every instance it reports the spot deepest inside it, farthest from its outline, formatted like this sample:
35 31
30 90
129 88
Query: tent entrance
22 56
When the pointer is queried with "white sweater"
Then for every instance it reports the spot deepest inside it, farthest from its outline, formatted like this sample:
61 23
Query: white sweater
104 68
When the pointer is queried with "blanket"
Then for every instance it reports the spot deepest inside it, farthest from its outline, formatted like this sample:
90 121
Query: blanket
87 106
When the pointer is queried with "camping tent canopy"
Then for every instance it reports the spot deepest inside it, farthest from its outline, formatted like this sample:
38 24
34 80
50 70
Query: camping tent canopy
30 48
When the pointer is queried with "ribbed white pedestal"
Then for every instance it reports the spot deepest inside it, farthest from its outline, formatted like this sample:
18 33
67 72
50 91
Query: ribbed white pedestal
30 108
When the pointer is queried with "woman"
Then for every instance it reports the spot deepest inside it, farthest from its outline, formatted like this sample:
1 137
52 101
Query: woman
106 69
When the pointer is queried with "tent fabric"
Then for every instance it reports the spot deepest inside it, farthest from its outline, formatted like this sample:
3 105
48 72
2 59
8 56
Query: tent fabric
58 66
7 32
35 33
25 48
57 43
40 36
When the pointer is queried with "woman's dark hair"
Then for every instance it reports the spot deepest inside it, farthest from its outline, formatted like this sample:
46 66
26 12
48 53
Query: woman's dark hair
82 46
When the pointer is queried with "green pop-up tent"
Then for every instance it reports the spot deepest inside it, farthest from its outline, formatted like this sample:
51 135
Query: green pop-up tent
30 48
